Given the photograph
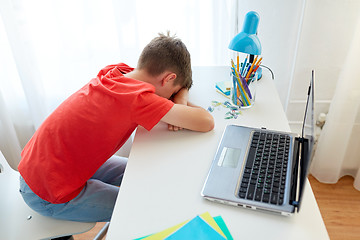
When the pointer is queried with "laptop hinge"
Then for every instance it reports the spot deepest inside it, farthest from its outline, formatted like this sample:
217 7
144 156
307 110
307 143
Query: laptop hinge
295 173
304 163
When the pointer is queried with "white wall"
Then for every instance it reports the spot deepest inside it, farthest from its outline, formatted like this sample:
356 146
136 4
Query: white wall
301 35
325 38
278 33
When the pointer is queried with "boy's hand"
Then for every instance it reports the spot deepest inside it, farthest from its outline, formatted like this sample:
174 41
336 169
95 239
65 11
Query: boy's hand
180 97
174 128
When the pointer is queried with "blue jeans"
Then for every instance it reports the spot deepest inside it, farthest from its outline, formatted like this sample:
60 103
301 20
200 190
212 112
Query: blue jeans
95 203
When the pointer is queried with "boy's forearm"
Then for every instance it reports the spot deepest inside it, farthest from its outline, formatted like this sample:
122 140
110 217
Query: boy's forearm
181 97
185 114
189 117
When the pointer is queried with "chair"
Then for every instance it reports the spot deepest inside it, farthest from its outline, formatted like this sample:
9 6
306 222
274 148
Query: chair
18 221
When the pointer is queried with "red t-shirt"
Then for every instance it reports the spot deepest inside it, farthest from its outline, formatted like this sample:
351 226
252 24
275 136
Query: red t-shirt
86 130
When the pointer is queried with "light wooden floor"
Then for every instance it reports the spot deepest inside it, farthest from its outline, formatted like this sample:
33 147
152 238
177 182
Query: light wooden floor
339 206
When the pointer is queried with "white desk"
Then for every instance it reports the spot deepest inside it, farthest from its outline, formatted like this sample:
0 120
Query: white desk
166 172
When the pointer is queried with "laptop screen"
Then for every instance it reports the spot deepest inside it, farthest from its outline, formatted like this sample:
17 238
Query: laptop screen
308 126
308 137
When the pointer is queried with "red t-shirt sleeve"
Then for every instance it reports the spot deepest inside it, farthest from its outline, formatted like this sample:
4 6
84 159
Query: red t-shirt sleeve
149 109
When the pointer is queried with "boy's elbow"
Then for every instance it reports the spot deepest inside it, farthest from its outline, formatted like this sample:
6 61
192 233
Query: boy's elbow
211 126
208 124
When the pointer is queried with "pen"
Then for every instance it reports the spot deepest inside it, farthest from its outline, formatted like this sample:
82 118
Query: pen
246 71
252 65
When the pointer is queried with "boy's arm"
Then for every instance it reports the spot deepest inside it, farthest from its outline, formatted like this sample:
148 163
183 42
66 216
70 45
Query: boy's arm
186 115
180 98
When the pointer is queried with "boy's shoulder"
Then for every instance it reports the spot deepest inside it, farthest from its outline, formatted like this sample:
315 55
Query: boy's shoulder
115 70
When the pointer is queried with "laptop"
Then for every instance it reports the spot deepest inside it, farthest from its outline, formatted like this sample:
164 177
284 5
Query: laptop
261 169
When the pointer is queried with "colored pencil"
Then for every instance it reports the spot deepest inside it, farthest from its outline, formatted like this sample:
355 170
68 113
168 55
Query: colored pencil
243 66
245 84
237 61
252 66
257 63
254 71
242 88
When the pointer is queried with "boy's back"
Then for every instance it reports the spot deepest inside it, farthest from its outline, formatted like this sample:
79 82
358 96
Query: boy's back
86 130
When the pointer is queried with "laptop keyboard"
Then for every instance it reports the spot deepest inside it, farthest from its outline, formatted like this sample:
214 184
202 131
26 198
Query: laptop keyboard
265 171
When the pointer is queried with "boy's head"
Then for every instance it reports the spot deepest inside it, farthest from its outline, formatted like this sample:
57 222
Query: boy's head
166 53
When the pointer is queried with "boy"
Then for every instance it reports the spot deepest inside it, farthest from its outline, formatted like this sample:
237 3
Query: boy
68 168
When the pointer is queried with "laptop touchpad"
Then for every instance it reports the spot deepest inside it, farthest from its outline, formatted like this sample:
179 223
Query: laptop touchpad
229 157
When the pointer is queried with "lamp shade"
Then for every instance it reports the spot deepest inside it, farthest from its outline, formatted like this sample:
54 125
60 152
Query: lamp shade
247 41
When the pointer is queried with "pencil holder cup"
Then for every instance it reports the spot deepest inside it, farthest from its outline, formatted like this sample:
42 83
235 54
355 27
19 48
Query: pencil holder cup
243 90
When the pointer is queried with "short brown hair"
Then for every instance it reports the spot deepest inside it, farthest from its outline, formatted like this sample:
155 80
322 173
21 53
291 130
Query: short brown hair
167 53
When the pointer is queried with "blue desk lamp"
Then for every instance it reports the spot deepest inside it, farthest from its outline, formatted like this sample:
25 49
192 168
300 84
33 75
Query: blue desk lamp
247 41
